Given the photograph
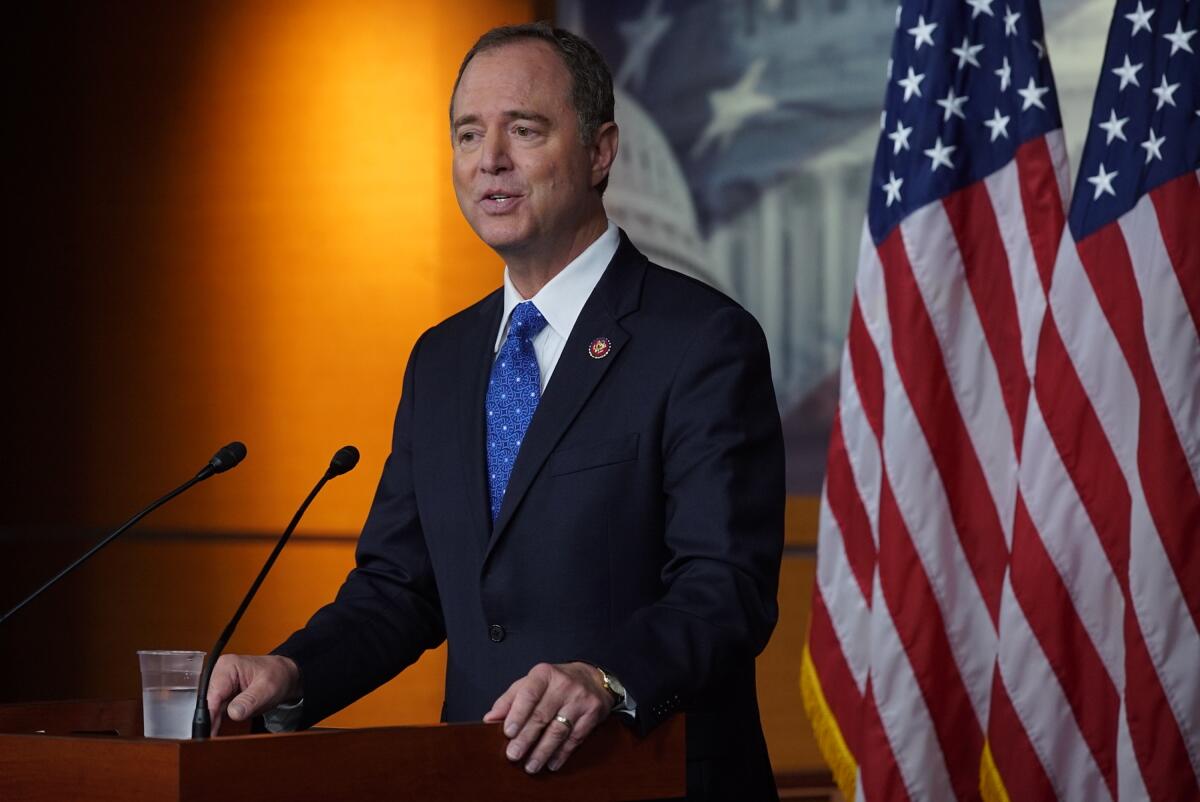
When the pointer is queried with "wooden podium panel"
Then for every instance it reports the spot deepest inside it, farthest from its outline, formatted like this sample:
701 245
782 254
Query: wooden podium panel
444 762
120 716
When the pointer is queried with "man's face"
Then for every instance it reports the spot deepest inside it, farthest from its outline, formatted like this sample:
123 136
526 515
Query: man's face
522 176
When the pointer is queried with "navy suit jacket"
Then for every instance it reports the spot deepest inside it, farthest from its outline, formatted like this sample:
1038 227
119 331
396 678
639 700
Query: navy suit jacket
641 530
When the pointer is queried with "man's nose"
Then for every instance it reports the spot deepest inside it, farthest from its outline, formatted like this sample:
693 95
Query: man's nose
495 155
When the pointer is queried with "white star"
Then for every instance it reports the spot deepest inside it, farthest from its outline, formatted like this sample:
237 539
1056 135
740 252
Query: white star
1040 48
899 9
1165 93
939 154
911 84
899 137
966 53
1179 39
953 105
1005 73
1140 19
1115 128
981 6
1152 145
1102 181
923 32
1032 95
998 125
641 36
1127 73
733 106
1010 21
892 187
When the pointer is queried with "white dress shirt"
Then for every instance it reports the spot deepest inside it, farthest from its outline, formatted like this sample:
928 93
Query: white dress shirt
561 300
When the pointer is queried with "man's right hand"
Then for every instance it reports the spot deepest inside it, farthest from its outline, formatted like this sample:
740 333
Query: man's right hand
247 685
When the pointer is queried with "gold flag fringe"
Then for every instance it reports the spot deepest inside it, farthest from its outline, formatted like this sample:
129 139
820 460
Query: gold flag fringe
825 727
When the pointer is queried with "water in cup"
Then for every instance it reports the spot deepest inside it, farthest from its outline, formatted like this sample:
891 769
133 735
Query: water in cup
167 712
169 682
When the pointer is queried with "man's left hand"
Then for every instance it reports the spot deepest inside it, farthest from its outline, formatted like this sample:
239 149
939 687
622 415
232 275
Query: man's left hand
548 712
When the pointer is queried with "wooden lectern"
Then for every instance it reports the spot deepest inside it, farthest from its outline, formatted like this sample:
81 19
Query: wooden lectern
88 751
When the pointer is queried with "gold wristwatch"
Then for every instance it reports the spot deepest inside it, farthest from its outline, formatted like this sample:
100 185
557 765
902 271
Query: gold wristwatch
613 686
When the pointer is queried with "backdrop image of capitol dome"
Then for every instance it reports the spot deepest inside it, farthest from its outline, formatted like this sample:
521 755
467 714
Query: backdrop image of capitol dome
748 132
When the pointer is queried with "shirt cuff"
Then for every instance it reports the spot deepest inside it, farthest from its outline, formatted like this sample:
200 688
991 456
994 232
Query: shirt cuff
285 718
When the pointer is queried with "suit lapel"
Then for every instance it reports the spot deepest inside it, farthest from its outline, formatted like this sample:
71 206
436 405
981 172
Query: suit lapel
476 366
576 375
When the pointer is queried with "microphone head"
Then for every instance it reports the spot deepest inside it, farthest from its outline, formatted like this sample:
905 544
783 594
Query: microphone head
228 457
343 461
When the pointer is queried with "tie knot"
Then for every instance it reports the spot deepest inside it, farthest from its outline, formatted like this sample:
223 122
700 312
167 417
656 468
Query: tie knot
527 321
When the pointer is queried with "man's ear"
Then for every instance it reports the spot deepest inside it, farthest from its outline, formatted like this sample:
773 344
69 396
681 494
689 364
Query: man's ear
604 151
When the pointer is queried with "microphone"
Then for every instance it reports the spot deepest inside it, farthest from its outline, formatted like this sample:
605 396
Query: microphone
223 460
343 462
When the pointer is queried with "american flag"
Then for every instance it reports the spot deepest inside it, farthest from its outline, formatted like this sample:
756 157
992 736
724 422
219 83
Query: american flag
1007 602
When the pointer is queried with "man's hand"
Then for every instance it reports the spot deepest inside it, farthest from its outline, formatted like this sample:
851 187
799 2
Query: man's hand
244 686
533 709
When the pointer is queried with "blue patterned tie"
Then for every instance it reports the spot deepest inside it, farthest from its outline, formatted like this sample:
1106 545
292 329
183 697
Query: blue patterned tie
513 394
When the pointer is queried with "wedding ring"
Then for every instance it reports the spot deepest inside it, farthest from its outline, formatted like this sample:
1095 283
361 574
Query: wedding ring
561 719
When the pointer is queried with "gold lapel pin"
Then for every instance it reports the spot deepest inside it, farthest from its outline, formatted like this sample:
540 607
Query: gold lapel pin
599 348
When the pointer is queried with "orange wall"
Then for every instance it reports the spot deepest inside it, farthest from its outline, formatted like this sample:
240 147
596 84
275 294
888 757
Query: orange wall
300 247
297 232
238 218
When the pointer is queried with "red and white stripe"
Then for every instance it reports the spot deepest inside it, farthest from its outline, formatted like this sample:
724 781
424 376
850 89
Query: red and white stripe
1010 528
1102 660
922 481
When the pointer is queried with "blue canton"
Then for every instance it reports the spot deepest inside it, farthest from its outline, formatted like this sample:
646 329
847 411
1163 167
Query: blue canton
513 394
1145 127
968 83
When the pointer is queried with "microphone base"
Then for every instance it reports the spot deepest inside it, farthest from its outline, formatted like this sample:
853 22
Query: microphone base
201 726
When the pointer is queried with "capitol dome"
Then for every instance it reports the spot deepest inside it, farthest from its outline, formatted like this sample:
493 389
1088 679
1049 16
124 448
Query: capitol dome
648 196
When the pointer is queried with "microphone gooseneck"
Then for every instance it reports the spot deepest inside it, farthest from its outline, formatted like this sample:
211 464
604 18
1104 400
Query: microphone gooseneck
223 460
343 462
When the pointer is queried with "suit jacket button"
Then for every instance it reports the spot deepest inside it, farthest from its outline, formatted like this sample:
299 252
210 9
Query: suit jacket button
495 633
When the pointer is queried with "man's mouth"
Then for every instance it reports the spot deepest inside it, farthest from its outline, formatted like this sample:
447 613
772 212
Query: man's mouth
499 201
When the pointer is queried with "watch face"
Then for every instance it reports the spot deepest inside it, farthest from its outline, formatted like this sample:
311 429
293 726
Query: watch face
613 685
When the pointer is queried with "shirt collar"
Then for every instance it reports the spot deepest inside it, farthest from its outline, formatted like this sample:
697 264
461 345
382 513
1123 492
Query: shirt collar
563 297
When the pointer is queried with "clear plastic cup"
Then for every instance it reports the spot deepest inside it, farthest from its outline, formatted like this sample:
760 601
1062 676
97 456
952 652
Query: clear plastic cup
169 683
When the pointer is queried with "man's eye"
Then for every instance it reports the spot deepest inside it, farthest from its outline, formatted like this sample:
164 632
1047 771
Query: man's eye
466 136
523 130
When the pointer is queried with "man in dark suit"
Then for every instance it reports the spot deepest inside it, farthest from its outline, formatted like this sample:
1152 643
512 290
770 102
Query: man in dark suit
585 490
